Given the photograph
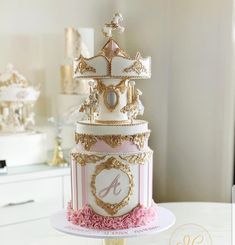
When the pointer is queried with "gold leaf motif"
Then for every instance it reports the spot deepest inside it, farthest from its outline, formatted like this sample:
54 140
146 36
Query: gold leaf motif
101 87
112 140
112 162
137 158
84 67
83 159
137 66
86 140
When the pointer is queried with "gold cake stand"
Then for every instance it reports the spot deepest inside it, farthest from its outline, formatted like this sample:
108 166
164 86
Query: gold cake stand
165 219
114 242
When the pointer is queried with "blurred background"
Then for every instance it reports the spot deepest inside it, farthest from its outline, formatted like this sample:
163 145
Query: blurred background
189 101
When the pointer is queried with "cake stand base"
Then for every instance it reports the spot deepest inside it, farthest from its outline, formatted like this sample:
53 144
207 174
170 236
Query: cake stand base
164 221
114 242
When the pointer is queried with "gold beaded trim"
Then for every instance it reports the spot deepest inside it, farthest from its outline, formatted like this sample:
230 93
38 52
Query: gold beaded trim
112 140
112 209
117 123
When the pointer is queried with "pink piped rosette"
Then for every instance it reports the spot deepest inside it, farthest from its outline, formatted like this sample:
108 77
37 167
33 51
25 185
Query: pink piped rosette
86 217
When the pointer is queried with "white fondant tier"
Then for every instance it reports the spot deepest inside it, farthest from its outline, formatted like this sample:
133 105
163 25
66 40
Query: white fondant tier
137 127
112 184
23 148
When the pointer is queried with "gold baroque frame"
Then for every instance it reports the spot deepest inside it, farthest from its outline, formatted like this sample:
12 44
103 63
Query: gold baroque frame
112 162
103 89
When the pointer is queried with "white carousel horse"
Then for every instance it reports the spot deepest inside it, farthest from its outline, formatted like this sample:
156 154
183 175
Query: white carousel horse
113 25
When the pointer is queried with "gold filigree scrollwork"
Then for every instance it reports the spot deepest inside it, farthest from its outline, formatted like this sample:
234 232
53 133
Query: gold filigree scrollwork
111 89
139 139
137 158
83 67
137 66
111 163
83 159
112 140
86 140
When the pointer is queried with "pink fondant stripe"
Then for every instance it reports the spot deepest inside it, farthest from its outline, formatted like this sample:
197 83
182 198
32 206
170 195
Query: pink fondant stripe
74 186
84 187
141 184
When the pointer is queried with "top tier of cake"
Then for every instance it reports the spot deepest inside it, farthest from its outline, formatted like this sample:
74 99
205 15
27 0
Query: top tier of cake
113 97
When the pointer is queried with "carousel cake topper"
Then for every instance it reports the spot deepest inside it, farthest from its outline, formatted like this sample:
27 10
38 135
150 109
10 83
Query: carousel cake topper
17 98
113 97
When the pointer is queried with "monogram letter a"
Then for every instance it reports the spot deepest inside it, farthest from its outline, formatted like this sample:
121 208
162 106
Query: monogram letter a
114 185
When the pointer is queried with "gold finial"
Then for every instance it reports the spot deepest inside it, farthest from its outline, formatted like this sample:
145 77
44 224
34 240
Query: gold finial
113 25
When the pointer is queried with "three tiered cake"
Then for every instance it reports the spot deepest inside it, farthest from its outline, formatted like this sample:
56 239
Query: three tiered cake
111 164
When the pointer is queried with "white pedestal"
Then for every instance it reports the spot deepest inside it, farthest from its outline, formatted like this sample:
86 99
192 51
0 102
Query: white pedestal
23 148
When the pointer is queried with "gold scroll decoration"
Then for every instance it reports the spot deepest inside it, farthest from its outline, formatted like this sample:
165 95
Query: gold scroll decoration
135 158
84 67
137 66
83 159
112 140
112 162
140 158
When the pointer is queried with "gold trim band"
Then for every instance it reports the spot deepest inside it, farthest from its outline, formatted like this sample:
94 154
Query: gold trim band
112 140
133 158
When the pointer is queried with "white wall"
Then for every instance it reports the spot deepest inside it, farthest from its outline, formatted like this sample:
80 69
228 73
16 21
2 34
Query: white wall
189 100
200 101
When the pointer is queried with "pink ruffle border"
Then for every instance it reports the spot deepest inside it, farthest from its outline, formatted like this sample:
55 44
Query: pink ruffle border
86 217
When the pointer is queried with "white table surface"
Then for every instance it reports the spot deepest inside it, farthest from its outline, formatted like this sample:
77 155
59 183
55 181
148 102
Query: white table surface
216 218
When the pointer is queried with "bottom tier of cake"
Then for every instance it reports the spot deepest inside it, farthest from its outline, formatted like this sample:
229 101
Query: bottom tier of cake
86 217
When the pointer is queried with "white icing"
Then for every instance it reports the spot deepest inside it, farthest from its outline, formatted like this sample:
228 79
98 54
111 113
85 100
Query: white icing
138 127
